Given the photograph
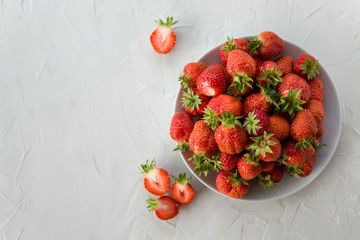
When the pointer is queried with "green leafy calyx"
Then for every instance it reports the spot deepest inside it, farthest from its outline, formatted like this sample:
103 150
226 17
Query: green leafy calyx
205 164
251 123
169 22
236 178
310 68
182 179
191 100
211 119
146 168
182 147
229 45
240 82
262 144
291 103
229 120
152 204
254 44
272 76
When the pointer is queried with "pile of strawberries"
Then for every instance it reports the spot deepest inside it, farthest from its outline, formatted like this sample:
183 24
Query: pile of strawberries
254 116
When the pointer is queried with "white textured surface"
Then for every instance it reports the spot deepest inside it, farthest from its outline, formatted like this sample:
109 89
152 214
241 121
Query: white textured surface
85 100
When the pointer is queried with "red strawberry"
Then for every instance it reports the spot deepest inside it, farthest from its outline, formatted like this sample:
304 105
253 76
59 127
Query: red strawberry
165 207
320 131
228 161
306 66
194 102
231 184
317 109
248 167
180 129
239 91
248 144
266 147
232 44
267 166
316 88
307 167
213 81
285 64
182 191
293 155
304 127
242 63
163 38
219 104
272 177
202 143
268 74
256 101
156 180
230 136
268 44
279 126
257 122
190 73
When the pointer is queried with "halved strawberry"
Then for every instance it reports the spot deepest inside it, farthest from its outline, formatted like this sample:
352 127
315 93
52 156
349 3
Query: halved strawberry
163 39
165 207
182 191
156 180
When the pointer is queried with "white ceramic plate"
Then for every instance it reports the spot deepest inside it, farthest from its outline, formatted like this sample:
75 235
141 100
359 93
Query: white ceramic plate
332 129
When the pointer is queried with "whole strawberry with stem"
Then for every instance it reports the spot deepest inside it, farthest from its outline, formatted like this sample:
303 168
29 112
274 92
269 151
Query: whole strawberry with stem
306 66
202 143
256 101
194 102
228 161
268 74
218 105
268 44
165 207
279 126
293 155
284 64
296 83
163 39
232 44
230 136
213 80
266 147
257 122
304 128
156 180
271 178
182 192
190 74
320 131
181 127
231 184
304 169
249 166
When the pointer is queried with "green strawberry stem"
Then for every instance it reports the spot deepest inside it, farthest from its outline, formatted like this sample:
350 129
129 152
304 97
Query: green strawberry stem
310 68
254 44
146 168
169 22
184 81
294 171
305 143
265 181
229 120
211 119
252 158
182 179
204 164
272 77
251 123
152 204
262 144
236 178
291 103
230 45
184 146
271 94
190 100
240 82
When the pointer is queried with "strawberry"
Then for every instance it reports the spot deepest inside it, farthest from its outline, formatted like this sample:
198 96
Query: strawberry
320 131
182 191
228 161
257 122
163 39
212 81
194 102
266 147
165 207
267 166
306 66
190 73
180 129
293 155
284 64
268 44
256 101
317 109
303 129
156 180
316 88
238 90
307 167
279 126
231 184
232 44
230 136
268 74
202 143
271 178
219 104
248 166
258 59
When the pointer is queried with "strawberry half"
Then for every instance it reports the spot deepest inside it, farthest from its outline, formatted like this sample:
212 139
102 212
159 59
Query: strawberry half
182 191
156 180
165 207
163 39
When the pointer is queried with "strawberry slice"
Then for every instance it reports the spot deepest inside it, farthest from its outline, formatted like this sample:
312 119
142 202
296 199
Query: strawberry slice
156 180
182 191
163 39
165 207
